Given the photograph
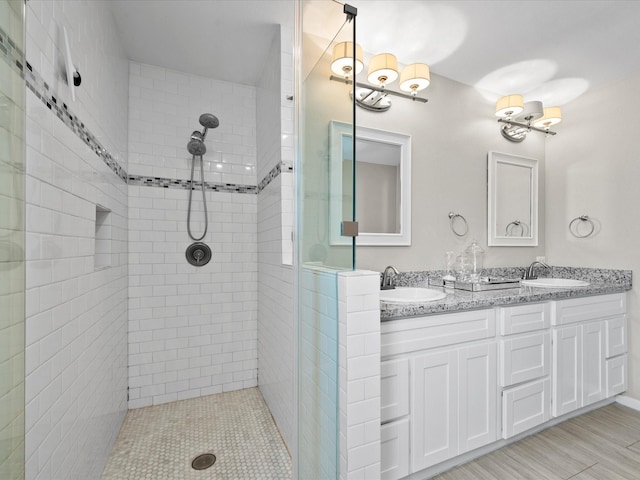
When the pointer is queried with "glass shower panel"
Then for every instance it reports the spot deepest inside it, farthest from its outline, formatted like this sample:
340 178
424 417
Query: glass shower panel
319 260
12 268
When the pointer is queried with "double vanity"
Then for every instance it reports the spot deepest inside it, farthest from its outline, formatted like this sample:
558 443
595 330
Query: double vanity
467 372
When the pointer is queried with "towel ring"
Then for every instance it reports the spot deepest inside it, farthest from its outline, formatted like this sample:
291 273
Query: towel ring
452 219
524 228
582 218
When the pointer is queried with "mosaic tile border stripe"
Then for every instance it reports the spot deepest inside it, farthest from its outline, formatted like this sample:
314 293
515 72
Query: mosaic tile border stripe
40 88
160 182
11 53
186 184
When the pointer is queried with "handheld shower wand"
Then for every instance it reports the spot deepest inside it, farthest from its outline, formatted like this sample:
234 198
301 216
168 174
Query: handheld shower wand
197 148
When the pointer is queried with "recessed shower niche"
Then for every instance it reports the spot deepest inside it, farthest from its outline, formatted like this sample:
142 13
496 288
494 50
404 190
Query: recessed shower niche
102 256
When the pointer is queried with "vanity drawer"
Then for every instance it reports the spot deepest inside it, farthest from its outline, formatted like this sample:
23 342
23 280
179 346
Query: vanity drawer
394 450
394 389
524 358
588 308
523 318
616 375
616 336
525 406
422 333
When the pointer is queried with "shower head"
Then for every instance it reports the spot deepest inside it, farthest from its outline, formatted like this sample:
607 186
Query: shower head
196 144
207 120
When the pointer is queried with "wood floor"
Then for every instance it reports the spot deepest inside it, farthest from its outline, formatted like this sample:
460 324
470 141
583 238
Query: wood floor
600 445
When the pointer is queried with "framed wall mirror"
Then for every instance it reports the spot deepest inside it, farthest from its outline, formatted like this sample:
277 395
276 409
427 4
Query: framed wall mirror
383 185
512 200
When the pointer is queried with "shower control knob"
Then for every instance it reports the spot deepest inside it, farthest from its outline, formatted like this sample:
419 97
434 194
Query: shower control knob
198 254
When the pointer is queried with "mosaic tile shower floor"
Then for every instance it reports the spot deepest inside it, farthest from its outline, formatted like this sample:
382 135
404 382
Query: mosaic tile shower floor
159 442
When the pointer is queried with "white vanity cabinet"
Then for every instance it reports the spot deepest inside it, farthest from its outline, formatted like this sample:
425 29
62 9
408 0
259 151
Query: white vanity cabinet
589 350
452 383
525 365
451 361
453 404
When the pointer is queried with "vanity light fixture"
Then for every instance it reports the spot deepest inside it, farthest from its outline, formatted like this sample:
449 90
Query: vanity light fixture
519 118
383 70
342 61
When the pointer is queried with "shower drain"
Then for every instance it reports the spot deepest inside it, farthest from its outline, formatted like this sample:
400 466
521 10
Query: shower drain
204 461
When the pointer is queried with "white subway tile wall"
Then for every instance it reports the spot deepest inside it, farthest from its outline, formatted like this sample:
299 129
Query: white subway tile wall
359 306
276 328
164 107
192 330
318 366
287 217
12 278
99 56
76 319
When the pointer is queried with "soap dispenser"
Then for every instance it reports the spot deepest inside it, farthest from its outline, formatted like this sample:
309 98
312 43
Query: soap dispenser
475 258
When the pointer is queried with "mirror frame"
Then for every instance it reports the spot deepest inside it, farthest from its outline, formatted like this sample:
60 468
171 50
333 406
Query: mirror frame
494 238
338 130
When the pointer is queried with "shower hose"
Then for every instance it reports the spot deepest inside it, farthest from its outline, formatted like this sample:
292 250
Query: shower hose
204 201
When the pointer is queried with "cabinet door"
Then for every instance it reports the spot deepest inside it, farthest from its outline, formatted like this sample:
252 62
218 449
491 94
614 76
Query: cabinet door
616 336
434 408
477 396
616 375
524 318
593 363
567 370
525 406
394 450
394 389
524 358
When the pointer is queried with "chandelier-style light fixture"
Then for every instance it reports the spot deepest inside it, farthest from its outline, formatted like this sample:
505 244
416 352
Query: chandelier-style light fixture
519 118
383 70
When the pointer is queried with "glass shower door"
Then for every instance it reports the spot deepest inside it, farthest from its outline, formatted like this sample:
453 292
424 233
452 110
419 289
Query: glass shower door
12 268
319 257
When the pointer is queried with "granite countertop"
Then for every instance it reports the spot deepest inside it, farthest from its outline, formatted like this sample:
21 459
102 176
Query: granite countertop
601 282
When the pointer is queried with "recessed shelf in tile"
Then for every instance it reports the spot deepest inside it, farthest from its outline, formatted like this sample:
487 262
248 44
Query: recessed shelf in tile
102 258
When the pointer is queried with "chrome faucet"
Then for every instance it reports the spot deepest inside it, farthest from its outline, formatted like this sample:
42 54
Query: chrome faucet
387 282
530 272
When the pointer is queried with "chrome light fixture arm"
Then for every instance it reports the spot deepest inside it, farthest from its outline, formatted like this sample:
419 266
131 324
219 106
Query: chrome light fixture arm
525 125
378 89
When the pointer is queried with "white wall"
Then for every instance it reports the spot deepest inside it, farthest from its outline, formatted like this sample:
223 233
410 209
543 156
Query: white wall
76 318
359 374
12 223
318 365
592 169
451 136
276 329
192 330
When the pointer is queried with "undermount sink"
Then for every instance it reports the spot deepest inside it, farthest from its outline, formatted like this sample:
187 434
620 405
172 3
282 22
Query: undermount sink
554 283
411 295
